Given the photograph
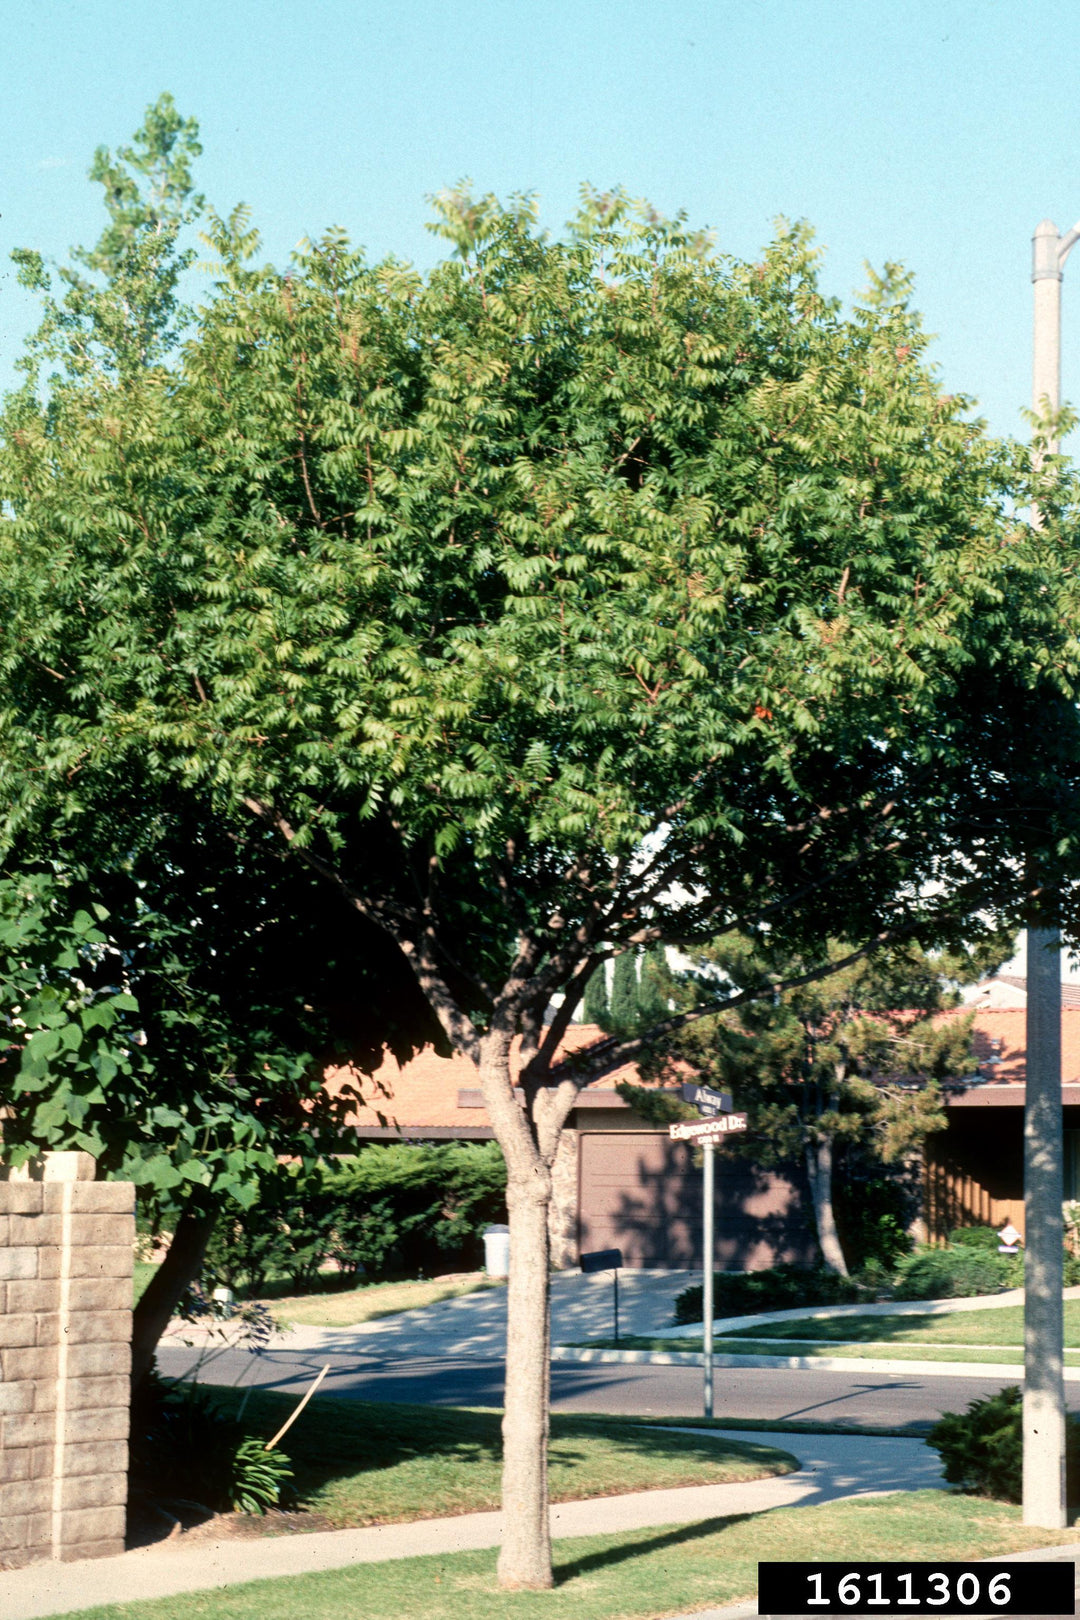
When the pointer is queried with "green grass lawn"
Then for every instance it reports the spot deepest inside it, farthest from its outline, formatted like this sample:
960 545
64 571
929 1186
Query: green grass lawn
1003 1326
987 1335
347 1308
633 1576
359 1462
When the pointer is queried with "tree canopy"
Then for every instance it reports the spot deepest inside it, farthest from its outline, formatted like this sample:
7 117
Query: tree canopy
582 594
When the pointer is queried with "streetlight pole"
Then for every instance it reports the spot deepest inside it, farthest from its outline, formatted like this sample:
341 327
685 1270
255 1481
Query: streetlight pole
1044 1389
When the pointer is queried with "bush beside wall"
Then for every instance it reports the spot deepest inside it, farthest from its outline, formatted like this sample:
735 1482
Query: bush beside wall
397 1207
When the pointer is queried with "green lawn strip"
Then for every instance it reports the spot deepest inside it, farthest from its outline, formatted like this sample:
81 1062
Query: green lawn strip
361 1462
891 1351
352 1306
637 1575
1004 1326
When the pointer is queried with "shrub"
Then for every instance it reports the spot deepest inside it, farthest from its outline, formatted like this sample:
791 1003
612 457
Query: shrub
781 1288
873 1213
956 1273
975 1237
184 1446
394 1207
982 1449
414 1207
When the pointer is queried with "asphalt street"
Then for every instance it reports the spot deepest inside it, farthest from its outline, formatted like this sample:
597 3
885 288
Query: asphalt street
762 1394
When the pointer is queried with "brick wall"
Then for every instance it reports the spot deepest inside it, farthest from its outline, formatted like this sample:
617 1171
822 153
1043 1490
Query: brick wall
66 1246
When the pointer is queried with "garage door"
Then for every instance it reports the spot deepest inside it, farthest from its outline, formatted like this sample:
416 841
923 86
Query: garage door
640 1192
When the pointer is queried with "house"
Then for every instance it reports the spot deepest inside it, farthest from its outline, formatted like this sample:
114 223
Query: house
620 1182
975 1168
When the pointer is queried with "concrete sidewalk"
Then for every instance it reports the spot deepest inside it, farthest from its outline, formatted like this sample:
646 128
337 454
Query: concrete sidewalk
1010 1371
582 1309
832 1466
474 1325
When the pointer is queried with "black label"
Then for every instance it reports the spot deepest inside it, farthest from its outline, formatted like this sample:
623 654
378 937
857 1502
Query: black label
917 1589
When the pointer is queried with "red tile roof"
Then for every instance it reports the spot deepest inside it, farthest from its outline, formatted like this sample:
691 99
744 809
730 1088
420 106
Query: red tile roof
999 1032
425 1092
438 1093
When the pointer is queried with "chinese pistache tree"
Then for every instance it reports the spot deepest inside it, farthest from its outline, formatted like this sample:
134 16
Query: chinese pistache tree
578 596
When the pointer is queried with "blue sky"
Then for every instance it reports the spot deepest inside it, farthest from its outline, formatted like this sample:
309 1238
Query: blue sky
933 133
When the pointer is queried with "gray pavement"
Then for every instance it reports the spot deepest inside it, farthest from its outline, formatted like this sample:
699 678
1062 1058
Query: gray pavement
451 1354
852 1396
832 1466
475 1324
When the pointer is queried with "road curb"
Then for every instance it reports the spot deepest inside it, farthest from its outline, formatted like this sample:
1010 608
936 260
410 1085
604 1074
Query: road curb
695 1358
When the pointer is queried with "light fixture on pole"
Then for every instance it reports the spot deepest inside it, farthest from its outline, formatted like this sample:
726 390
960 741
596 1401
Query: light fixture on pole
1044 1389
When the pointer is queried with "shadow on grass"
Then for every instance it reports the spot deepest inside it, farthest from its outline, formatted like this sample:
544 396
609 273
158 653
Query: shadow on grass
650 1542
351 1440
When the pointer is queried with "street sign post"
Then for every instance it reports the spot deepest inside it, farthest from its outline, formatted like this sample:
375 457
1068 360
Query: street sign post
698 1130
705 1100
707 1132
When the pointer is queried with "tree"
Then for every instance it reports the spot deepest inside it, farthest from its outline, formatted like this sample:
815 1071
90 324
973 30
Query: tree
581 596
639 993
595 1007
235 980
622 1014
853 1060
170 1016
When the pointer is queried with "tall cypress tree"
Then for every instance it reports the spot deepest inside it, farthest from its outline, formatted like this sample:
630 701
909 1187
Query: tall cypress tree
595 1007
624 994
653 1002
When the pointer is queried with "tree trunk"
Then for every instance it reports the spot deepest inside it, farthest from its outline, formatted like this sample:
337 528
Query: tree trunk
525 1558
179 1268
819 1170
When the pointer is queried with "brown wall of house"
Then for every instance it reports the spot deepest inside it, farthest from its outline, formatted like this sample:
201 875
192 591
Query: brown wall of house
642 1193
975 1169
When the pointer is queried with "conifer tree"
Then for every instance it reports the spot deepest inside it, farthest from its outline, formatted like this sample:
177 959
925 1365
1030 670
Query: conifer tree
623 1014
595 1008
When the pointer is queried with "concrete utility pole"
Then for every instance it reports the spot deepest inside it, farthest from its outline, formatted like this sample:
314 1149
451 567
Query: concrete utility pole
1044 1388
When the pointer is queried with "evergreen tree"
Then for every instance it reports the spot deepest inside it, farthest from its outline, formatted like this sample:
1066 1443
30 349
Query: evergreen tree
595 1007
851 1062
623 1016
654 987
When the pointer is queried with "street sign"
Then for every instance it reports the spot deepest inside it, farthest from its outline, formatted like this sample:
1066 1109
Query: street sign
705 1100
697 1130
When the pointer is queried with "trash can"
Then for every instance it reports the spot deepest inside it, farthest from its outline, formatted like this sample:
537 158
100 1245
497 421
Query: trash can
497 1251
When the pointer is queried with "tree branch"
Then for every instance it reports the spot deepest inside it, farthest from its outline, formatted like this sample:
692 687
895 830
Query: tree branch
394 921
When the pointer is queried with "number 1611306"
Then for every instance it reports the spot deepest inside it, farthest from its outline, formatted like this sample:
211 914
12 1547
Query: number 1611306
1046 1587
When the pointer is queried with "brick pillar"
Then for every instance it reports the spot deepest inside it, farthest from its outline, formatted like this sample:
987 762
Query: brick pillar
66 1251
